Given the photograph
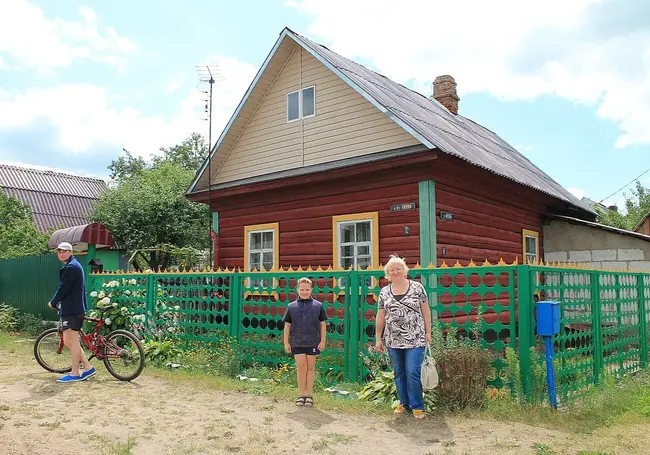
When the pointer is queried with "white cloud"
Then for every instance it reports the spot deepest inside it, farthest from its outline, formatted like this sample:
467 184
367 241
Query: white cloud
85 117
175 83
595 52
33 41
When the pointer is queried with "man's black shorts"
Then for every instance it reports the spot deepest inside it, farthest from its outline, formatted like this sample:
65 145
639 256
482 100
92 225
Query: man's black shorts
308 351
72 321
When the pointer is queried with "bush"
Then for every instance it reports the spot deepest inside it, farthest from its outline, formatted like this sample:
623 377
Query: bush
8 318
30 324
463 376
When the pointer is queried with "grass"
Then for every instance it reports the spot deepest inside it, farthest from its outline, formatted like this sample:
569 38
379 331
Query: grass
627 402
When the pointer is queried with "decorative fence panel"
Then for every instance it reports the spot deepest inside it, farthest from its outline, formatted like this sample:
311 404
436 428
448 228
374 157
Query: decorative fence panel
604 315
603 324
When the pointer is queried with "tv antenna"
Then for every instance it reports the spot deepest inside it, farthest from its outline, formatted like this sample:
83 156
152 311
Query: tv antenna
207 75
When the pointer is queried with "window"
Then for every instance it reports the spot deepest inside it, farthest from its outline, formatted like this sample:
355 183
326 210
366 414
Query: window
356 241
530 246
301 104
261 250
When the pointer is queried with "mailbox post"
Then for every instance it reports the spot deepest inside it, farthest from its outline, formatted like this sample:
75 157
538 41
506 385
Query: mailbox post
548 325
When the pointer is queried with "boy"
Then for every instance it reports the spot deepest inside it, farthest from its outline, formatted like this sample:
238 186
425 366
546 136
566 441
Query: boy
304 337
70 300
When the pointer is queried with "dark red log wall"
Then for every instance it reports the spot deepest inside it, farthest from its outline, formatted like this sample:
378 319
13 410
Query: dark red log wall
489 211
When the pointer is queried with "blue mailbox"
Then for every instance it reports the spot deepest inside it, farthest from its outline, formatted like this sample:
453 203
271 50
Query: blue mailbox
548 318
548 324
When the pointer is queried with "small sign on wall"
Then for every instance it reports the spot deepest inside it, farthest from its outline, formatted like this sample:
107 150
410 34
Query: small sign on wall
403 207
447 216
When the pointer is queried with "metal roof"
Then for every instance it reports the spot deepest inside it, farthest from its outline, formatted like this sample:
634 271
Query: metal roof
437 127
56 199
425 118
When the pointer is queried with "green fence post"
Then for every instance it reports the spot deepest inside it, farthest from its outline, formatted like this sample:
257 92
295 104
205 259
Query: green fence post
597 328
642 322
352 317
234 313
525 306
150 304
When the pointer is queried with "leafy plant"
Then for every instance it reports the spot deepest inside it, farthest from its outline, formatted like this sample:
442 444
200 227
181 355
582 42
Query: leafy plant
382 389
161 352
28 323
8 318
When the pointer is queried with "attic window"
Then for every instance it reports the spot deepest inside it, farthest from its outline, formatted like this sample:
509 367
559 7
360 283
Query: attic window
301 104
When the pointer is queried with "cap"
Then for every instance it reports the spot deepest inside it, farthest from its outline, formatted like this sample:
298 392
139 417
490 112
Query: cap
64 246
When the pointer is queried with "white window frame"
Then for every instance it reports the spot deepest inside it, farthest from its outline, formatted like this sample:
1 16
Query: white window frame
355 244
260 229
530 235
300 104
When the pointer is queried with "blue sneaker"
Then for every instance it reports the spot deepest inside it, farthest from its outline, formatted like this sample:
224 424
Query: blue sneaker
69 378
86 374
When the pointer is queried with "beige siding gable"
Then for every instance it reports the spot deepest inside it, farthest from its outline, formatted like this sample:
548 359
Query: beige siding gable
346 125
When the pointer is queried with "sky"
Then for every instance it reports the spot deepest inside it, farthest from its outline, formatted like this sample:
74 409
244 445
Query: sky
566 83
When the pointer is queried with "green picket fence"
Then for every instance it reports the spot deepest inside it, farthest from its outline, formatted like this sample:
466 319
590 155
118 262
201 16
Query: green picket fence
602 332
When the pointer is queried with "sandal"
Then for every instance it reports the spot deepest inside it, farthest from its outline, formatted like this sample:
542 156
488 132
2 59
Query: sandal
309 401
300 401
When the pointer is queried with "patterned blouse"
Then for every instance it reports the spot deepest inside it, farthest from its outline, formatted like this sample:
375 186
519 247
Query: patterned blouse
404 320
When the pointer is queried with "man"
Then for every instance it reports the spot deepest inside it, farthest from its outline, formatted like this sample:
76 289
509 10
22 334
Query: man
70 300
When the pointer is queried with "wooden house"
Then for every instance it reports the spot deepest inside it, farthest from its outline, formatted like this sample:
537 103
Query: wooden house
325 162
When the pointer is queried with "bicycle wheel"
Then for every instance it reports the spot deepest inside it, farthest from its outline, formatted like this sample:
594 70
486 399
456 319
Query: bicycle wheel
124 355
50 352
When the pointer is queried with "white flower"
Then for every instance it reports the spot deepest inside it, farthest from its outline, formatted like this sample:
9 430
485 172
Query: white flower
113 284
133 281
127 292
108 321
177 307
105 300
114 304
170 329
101 295
124 310
93 294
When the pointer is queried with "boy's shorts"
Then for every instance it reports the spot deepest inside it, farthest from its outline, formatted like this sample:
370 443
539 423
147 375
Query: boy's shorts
72 321
307 351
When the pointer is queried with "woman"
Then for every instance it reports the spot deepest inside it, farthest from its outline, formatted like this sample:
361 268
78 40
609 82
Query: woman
404 327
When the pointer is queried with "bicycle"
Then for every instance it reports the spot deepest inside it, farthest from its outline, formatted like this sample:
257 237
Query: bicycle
119 348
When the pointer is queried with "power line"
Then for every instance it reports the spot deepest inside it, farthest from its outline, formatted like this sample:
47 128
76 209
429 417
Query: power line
625 186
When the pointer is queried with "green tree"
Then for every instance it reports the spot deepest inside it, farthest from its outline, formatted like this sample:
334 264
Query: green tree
189 154
18 234
636 206
149 211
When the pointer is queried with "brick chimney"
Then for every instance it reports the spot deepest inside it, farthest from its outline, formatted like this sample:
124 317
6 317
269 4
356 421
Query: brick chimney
444 91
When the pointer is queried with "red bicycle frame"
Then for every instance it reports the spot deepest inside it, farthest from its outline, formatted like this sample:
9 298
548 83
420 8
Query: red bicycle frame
95 343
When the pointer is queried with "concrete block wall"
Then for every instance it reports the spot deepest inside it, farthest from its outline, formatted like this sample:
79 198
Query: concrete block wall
618 259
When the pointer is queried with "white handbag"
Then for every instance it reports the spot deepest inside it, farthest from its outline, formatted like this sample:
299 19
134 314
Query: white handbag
428 371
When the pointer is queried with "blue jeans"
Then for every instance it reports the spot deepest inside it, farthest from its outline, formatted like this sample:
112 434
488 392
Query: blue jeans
406 366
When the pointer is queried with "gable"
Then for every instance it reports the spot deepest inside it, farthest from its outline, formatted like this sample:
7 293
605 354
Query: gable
346 125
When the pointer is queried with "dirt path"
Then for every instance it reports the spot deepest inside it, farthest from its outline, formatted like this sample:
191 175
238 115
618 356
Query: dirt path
158 417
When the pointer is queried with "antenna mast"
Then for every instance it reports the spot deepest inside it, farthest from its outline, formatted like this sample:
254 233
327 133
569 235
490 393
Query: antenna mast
206 75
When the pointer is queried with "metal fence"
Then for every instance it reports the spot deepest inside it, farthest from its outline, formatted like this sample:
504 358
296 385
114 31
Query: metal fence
604 315
28 283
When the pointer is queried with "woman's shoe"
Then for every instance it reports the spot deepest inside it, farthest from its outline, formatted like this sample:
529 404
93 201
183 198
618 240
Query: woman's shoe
418 413
399 409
